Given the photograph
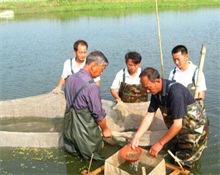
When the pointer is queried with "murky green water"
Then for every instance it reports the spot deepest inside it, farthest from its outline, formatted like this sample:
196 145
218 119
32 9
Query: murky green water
52 161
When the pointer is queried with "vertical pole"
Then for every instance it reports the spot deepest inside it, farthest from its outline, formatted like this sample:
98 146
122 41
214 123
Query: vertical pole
201 64
90 163
159 40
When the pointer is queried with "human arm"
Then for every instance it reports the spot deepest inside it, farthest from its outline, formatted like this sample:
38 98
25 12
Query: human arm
59 86
66 72
201 95
97 83
172 132
115 95
106 132
116 85
145 124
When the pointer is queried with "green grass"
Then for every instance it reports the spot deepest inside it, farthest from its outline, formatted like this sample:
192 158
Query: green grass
45 6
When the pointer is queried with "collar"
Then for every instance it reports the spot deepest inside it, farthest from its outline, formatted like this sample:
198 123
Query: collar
137 74
165 84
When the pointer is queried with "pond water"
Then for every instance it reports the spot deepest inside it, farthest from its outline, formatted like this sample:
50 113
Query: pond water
34 47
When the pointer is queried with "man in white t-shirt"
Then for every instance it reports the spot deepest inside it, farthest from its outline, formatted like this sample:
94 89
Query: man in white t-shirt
126 86
73 65
186 72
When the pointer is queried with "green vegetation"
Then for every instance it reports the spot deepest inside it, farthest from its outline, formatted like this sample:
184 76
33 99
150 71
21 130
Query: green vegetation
45 6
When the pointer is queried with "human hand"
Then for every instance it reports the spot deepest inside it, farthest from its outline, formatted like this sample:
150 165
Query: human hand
134 143
56 90
117 100
155 149
107 133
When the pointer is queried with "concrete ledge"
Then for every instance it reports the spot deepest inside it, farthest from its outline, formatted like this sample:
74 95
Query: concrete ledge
31 139
46 105
123 119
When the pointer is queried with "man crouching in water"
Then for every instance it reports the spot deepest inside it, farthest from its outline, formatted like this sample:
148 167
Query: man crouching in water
183 117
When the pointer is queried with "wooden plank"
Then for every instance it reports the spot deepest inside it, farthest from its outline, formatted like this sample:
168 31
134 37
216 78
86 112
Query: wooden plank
175 172
98 170
173 167
95 172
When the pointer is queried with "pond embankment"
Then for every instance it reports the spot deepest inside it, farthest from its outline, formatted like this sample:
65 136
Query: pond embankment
50 6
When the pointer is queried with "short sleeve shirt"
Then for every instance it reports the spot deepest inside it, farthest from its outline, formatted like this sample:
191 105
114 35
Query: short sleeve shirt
128 79
185 77
177 100
67 69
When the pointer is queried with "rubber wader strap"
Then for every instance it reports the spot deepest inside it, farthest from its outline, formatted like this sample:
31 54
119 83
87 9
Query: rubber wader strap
174 71
71 65
193 78
167 91
77 93
83 87
123 75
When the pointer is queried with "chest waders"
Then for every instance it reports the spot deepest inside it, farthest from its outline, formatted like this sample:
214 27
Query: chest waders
192 88
71 68
132 93
192 85
192 138
82 135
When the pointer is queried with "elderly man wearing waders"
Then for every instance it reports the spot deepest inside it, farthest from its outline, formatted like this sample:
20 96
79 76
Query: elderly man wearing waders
84 119
183 116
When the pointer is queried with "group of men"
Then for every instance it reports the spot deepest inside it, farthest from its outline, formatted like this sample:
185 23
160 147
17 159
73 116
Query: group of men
85 121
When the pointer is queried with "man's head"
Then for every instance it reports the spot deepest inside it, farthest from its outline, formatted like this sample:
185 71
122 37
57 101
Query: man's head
180 57
151 81
133 61
80 48
96 62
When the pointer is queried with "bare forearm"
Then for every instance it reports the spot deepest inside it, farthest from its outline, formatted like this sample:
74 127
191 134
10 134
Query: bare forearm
115 95
61 82
102 124
145 124
106 132
59 86
171 133
201 95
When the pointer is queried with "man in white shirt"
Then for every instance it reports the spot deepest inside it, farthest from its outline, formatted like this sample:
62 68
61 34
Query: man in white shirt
126 85
186 72
73 65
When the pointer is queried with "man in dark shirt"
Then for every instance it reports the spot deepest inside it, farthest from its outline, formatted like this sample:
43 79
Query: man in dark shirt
84 119
183 117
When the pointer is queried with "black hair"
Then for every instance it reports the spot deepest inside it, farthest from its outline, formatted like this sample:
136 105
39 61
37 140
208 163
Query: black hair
180 48
135 56
79 42
151 73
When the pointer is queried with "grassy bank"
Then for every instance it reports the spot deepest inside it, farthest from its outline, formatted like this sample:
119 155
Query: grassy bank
45 6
